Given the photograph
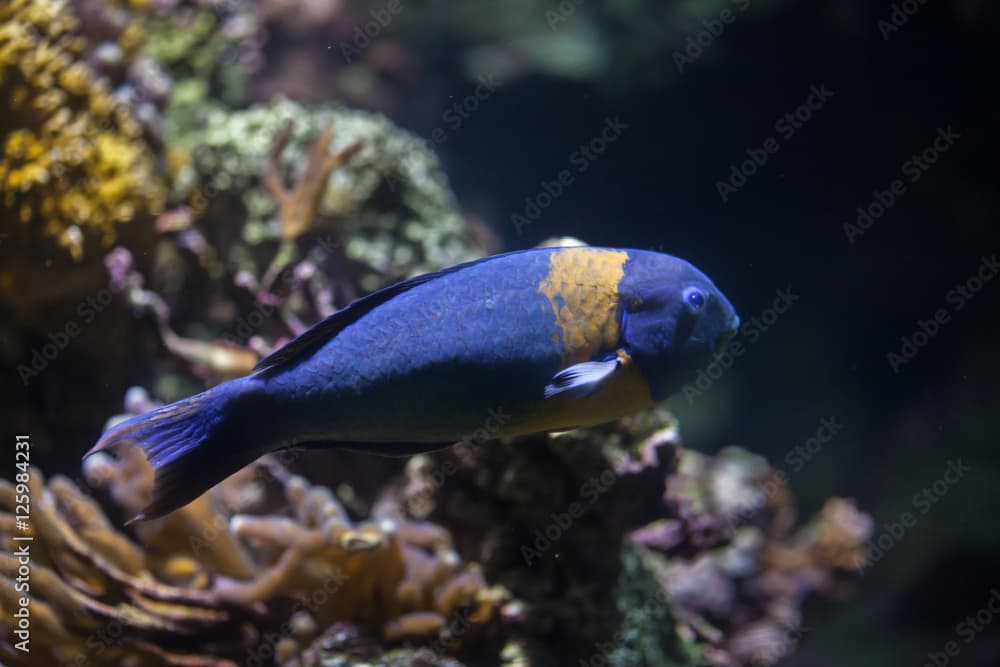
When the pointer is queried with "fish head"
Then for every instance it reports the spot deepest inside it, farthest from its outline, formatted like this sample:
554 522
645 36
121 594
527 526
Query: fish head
674 320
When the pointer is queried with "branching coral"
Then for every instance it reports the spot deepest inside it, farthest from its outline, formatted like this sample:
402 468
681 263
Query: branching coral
220 303
390 205
299 205
620 538
221 581
74 163
369 205
208 47
733 567
93 599
218 360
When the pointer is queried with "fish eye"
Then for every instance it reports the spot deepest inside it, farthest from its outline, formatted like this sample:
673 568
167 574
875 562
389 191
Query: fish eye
694 299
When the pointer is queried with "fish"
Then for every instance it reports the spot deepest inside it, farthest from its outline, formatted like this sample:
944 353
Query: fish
551 339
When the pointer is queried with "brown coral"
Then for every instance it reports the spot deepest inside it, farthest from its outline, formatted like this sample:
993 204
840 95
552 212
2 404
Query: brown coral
618 531
74 164
734 567
298 206
220 580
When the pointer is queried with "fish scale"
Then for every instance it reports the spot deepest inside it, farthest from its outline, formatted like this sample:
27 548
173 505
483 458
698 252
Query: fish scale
552 338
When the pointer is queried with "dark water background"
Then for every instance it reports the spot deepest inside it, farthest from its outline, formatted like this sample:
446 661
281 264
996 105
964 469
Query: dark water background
655 187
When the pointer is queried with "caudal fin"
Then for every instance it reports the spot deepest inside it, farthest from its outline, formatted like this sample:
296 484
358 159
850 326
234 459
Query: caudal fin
192 444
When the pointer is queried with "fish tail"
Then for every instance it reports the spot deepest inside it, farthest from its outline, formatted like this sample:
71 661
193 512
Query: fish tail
192 444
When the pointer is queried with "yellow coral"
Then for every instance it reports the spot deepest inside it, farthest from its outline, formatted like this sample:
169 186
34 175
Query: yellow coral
73 164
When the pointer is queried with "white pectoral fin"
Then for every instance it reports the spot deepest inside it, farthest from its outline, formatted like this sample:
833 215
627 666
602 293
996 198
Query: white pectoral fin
584 378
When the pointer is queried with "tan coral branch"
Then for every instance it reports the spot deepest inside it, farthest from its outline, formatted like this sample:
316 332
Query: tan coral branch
298 206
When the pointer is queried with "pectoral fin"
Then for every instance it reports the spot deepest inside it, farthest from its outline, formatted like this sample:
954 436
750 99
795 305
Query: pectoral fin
584 378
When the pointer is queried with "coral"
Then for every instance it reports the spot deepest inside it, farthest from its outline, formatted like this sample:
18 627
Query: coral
390 205
548 517
217 360
299 205
341 645
641 551
209 48
732 564
222 581
75 164
219 302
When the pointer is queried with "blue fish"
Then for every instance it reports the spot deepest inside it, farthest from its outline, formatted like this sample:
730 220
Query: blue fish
550 338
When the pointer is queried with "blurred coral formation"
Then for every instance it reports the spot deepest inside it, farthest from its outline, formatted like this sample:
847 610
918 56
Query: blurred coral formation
223 580
686 560
159 179
620 543
388 203
616 46
208 49
733 563
75 160
369 205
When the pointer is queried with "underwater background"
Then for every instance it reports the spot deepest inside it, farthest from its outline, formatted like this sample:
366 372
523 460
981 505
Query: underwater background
186 184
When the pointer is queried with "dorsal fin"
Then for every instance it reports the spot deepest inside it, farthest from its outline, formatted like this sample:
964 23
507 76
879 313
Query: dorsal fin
315 337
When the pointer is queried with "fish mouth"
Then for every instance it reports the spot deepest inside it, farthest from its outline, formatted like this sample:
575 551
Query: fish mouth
727 335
